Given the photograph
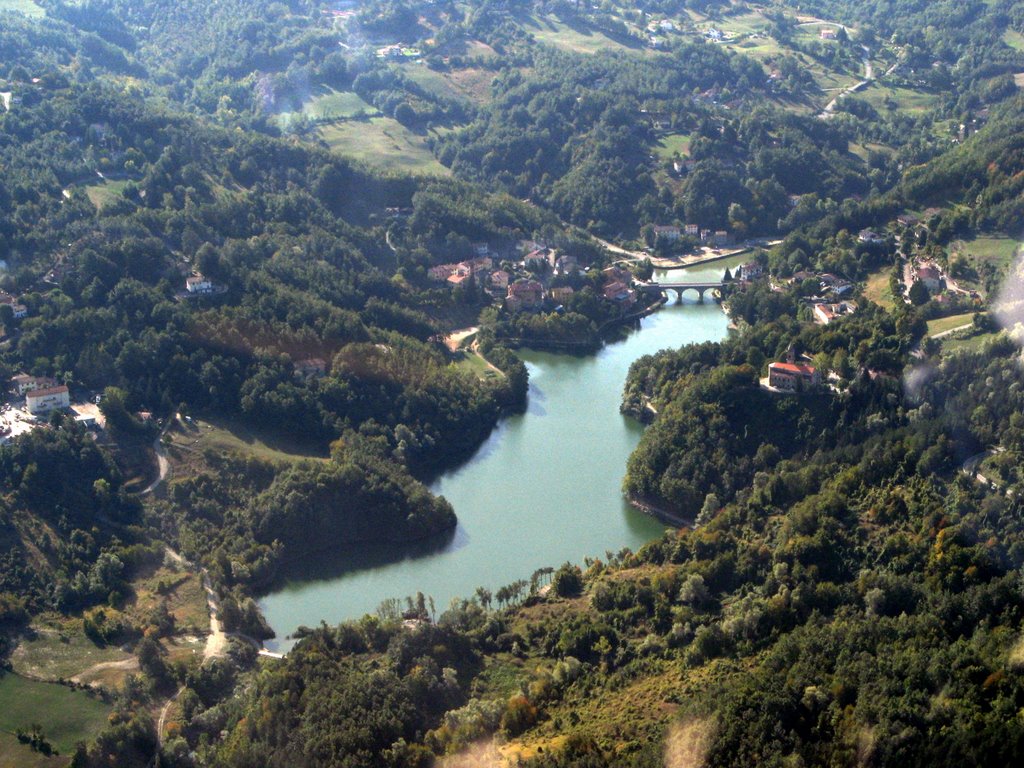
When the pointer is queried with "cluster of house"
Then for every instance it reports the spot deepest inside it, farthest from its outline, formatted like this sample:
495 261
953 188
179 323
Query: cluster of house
905 221
717 239
826 313
519 290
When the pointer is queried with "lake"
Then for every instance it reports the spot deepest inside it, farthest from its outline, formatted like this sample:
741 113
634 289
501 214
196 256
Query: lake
543 489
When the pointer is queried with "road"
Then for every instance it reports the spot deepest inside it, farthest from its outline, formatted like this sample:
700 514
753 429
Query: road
637 255
163 465
869 76
943 334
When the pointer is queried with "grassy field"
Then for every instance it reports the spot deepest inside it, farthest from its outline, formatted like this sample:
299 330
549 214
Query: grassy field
670 145
384 143
995 250
551 31
744 23
863 150
66 716
759 48
472 362
971 344
1014 39
26 7
907 100
105 191
943 324
183 592
877 289
62 651
468 85
331 104
233 438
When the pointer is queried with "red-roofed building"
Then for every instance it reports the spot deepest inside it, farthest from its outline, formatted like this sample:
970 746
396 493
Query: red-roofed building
793 377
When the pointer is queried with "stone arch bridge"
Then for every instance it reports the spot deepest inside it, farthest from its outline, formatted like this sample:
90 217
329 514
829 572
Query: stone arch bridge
679 288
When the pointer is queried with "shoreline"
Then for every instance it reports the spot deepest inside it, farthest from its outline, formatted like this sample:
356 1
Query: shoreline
660 513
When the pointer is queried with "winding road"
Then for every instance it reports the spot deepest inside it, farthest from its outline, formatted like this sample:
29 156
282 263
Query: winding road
869 77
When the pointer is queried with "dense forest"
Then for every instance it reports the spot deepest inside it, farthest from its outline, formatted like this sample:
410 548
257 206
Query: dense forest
186 241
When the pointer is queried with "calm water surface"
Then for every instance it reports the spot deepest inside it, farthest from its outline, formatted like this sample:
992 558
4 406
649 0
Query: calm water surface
543 489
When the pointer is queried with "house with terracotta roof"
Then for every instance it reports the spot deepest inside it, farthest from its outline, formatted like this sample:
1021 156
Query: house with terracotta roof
793 377
930 275
524 294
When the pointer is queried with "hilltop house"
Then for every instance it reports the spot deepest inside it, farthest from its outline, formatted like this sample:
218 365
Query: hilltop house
793 377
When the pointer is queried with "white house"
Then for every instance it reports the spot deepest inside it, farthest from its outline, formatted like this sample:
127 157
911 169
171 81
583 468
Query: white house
45 400
198 284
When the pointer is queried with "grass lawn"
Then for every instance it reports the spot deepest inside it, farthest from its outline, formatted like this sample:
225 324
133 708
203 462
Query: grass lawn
105 191
1011 37
61 650
26 7
943 324
551 31
877 289
670 145
384 143
66 716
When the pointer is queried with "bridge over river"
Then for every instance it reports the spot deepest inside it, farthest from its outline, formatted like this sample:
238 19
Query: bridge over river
681 287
